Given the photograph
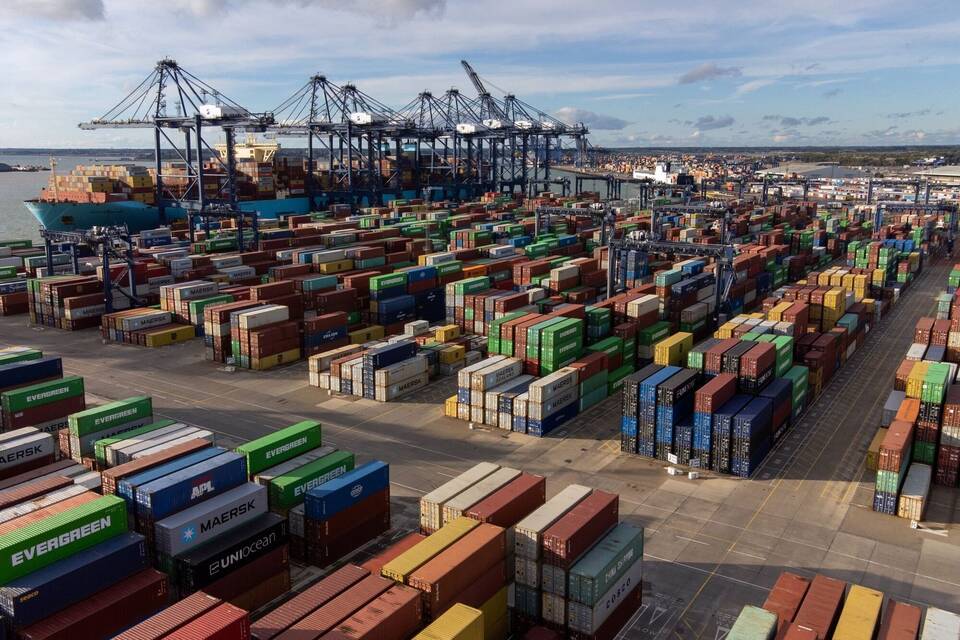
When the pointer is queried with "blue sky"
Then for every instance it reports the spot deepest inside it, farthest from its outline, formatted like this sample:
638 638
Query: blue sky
637 73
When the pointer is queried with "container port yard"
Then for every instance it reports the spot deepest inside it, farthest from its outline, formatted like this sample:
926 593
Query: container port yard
450 372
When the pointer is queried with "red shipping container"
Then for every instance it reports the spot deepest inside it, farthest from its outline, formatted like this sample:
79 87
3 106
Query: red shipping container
483 588
758 360
323 552
226 622
573 534
171 618
821 606
325 618
374 564
458 566
36 472
715 393
896 446
511 503
901 621
310 599
785 598
105 613
797 632
713 359
394 615
374 505
15 495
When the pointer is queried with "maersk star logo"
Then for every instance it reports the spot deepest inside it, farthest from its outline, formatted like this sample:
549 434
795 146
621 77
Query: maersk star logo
188 534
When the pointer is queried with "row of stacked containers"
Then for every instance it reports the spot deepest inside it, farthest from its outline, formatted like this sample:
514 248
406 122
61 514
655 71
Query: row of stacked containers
918 443
825 608
108 513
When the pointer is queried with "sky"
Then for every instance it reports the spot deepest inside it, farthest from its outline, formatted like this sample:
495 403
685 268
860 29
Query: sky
637 73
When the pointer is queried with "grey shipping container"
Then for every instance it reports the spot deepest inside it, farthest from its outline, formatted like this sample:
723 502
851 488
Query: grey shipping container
203 522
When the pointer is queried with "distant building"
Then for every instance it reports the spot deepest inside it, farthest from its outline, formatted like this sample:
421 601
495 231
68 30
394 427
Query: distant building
948 173
665 171
828 170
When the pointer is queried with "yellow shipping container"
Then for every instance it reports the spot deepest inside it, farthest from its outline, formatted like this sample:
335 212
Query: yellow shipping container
860 615
873 451
262 364
335 266
171 335
725 330
459 622
453 354
447 332
776 313
373 332
406 563
823 279
915 379
450 407
673 349
495 616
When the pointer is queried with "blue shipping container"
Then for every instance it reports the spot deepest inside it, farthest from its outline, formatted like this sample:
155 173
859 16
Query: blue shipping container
543 427
648 388
343 492
187 487
42 593
126 488
18 374
753 421
380 357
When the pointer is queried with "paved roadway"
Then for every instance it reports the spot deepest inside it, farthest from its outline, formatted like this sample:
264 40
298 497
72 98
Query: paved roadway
712 545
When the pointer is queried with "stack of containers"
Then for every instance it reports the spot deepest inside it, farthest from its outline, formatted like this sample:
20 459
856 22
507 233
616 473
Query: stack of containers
432 504
86 427
344 513
264 337
528 548
217 321
44 405
785 598
144 327
564 543
97 579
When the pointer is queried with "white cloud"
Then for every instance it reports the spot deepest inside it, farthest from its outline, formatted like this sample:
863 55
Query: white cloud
573 115
754 85
57 10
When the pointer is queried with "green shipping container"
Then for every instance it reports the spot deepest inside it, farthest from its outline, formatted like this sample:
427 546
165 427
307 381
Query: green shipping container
20 355
656 332
196 307
59 536
100 446
280 446
288 490
446 268
389 280
37 395
606 563
610 346
110 415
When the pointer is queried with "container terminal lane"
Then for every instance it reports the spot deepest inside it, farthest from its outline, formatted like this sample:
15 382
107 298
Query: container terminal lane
712 544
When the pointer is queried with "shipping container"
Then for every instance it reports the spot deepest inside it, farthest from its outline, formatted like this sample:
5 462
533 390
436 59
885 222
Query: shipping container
529 531
786 596
323 619
410 540
900 622
394 615
341 493
587 619
754 623
106 613
172 618
431 505
164 465
60 536
596 572
203 522
313 597
513 502
401 567
821 606
457 506
280 446
291 488
459 622
192 485
225 622
577 530
940 625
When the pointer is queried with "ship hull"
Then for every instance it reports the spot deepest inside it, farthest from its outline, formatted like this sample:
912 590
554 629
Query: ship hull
70 216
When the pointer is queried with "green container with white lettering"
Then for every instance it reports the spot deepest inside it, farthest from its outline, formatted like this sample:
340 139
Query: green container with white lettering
107 416
280 446
9 356
37 395
289 490
60 536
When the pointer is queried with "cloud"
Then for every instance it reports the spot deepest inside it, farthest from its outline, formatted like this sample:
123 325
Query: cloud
754 85
59 10
832 93
792 121
909 114
384 11
573 115
622 96
706 123
708 71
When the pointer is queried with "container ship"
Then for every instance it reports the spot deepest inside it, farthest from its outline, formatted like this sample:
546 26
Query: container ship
125 193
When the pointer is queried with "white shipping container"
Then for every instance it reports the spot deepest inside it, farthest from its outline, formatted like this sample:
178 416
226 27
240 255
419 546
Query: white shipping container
526 571
403 370
263 316
495 374
554 384
111 451
940 625
399 389
463 501
222 262
540 410
916 351
431 505
266 476
145 320
554 608
916 488
529 531
201 434
464 375
42 502
321 361
643 305
26 448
